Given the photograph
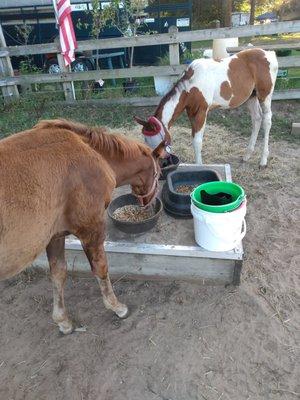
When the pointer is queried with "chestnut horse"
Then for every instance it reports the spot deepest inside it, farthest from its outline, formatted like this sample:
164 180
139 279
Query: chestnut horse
57 179
247 77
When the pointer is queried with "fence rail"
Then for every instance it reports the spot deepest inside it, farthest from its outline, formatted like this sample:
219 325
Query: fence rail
277 46
161 38
172 38
137 72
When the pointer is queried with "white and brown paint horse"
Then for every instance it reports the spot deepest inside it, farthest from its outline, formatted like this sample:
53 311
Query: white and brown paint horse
249 76
57 179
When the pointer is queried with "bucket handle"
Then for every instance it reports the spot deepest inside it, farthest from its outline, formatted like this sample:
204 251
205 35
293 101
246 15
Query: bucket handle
241 198
243 233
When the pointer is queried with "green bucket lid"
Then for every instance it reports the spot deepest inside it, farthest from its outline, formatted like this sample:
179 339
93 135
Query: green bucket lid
236 191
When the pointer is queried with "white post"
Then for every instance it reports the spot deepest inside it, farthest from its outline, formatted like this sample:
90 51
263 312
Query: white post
174 48
68 87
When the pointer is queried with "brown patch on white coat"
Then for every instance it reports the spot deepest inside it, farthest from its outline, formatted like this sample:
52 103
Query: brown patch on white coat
249 76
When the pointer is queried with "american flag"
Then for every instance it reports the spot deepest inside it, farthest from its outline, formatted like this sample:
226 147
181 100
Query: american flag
67 37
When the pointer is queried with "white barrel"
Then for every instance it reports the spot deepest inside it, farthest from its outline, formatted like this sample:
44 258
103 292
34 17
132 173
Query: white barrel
219 231
220 46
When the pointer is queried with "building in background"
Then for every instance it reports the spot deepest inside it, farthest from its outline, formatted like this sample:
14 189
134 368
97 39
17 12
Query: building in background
240 18
39 16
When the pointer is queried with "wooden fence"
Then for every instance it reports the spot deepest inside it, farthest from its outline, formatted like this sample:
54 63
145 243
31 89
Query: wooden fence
9 83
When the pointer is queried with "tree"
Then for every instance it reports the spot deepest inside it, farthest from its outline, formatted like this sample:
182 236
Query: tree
226 12
252 11
127 18
205 12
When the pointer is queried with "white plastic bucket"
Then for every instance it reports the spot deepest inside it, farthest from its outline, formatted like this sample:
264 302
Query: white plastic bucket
219 231
163 84
220 47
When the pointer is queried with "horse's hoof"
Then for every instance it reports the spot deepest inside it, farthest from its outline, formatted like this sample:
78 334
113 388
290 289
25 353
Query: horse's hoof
123 312
66 327
246 157
264 166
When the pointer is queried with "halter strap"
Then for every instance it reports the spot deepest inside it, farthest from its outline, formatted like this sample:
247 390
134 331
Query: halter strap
152 192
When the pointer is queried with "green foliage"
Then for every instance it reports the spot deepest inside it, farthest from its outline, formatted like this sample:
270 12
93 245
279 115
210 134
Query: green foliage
27 67
100 17
261 6
23 114
127 18
205 11
187 56
24 32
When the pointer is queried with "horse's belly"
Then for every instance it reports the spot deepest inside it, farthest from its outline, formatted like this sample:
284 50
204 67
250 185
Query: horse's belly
21 241
14 259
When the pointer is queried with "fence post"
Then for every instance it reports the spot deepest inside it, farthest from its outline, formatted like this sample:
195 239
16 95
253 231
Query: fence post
174 48
9 92
68 87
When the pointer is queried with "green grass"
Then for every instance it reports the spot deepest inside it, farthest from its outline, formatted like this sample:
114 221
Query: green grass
25 113
238 121
85 90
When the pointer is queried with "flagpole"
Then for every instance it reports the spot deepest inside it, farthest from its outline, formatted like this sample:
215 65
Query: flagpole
55 12
63 68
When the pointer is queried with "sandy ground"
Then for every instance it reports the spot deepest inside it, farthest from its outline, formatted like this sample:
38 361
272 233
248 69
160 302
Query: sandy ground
181 341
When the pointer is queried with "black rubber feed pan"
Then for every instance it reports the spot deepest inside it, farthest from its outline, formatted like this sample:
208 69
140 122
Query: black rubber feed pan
176 204
168 165
133 227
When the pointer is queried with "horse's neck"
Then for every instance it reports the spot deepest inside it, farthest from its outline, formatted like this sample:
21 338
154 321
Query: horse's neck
170 107
123 170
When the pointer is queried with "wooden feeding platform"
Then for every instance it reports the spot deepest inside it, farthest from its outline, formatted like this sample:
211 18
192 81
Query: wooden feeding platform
167 252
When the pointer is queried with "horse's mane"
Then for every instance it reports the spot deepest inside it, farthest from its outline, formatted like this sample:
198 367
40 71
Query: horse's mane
178 85
100 139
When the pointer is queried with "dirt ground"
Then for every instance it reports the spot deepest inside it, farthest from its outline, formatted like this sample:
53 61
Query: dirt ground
181 341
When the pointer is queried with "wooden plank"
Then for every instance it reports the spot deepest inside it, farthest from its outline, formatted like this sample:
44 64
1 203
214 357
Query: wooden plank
132 101
9 92
68 87
295 128
174 48
154 101
289 62
4 53
160 250
291 94
95 75
163 38
292 61
276 46
155 267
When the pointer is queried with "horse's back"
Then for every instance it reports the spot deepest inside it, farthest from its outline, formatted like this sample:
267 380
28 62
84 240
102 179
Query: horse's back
229 82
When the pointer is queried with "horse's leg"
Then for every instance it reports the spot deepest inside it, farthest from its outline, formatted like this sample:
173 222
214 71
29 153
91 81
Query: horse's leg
267 123
256 118
58 269
198 122
94 249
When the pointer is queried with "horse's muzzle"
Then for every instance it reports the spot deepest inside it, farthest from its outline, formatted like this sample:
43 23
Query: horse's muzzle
148 198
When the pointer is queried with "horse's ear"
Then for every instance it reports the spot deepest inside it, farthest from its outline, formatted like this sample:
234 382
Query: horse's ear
140 121
160 150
